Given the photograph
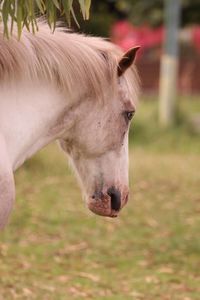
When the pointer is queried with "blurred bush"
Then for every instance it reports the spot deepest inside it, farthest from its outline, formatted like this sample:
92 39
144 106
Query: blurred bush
138 12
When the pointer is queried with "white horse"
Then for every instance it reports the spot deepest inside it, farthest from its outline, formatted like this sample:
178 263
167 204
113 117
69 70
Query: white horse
72 88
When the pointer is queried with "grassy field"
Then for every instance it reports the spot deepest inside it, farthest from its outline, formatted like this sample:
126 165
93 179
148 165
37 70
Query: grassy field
55 249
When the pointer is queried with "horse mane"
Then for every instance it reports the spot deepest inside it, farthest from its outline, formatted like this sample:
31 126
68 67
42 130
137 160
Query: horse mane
66 59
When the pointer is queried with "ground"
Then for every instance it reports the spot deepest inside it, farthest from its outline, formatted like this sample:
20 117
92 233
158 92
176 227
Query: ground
55 249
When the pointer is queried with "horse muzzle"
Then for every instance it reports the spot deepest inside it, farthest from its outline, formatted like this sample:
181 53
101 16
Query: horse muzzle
108 204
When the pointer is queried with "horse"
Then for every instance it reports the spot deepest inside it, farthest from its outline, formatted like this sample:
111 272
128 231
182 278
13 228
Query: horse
71 88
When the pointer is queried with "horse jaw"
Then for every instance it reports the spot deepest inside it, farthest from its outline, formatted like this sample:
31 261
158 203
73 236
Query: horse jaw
98 175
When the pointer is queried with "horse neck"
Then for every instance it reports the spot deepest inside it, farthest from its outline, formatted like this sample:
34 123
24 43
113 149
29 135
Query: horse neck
30 119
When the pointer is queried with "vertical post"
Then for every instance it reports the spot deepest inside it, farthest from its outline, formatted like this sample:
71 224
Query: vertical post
169 64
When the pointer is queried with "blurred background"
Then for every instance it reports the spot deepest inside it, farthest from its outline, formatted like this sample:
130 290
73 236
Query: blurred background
133 22
161 28
54 248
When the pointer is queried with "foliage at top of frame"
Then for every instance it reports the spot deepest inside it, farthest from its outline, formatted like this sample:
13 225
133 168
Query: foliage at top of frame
26 12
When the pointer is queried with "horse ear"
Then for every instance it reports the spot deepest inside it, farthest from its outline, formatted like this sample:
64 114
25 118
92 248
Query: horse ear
127 60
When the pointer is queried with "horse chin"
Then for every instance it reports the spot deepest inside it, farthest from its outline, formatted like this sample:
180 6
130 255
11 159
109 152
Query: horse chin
102 207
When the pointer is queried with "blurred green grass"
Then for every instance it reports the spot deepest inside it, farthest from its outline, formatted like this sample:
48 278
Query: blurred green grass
54 248
183 137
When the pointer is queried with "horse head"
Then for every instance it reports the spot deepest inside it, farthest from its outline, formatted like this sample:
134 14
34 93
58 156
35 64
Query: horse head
97 144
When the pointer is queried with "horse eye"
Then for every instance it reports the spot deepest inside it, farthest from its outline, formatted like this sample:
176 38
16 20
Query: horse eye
129 115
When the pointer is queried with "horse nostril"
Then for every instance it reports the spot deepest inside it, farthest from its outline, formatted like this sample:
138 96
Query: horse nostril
115 196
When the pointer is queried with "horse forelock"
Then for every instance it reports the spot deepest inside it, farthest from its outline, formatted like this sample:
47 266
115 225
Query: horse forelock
70 61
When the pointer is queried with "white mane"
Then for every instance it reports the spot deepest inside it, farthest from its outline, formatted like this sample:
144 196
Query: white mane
67 60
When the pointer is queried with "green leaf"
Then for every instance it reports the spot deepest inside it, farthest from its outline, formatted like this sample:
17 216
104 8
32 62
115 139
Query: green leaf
56 4
74 17
30 8
67 7
19 17
40 5
51 14
5 13
87 9
13 16
82 6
